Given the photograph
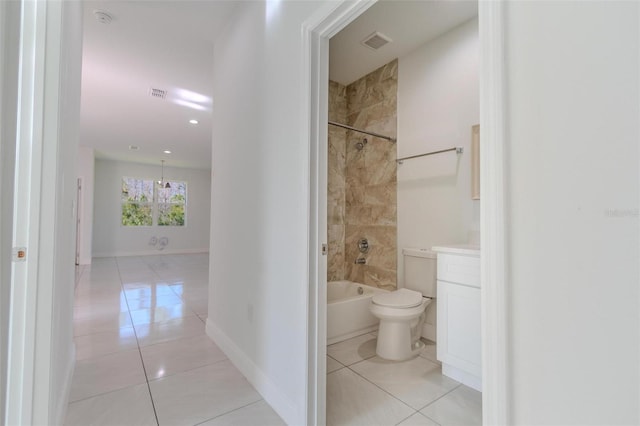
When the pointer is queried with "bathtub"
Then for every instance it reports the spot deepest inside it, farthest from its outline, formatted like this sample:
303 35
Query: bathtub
348 312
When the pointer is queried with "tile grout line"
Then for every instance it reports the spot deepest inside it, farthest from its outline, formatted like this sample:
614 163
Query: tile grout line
230 411
135 333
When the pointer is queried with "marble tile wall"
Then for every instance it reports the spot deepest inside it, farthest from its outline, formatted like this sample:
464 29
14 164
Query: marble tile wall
336 182
369 189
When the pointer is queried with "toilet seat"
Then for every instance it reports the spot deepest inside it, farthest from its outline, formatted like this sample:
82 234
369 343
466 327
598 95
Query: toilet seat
402 299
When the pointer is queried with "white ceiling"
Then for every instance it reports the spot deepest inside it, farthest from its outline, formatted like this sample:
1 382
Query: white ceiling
160 44
409 24
169 45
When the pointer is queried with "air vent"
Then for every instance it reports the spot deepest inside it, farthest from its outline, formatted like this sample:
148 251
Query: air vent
157 93
376 40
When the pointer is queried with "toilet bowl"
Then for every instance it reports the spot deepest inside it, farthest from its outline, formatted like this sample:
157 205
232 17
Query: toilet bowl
401 314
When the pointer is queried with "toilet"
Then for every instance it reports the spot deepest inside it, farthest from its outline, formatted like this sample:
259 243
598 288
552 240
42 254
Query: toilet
402 312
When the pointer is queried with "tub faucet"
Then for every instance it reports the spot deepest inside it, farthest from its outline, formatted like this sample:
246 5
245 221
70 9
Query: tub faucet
360 261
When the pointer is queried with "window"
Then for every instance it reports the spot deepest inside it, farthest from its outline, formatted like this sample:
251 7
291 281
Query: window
137 202
171 203
144 203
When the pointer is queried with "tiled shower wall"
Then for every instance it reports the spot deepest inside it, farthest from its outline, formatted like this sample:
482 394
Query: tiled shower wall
362 183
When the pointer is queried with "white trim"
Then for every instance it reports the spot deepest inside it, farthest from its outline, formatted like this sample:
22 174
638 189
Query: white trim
150 252
63 401
27 190
260 381
492 171
316 33
495 318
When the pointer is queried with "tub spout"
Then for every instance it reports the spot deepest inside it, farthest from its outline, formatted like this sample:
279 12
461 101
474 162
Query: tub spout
360 261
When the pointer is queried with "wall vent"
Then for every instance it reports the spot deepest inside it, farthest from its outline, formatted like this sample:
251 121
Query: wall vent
157 93
376 40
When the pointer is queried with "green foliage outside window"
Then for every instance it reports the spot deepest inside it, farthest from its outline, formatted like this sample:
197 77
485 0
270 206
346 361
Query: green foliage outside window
138 203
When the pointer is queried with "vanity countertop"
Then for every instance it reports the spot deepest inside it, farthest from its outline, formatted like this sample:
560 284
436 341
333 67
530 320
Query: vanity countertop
464 249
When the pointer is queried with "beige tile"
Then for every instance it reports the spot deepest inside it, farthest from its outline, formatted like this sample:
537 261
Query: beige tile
129 406
161 314
417 382
258 413
333 365
107 373
177 356
149 334
98 344
463 406
353 350
418 420
430 351
351 400
198 395
381 278
92 325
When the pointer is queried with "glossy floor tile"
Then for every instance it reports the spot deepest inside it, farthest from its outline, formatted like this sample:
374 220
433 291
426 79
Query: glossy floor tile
371 390
352 400
142 355
177 356
463 406
353 350
258 413
190 398
130 406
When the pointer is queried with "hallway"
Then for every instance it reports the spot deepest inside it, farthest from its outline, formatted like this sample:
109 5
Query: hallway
143 357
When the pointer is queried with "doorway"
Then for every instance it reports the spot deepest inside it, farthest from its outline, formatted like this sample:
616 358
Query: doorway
492 170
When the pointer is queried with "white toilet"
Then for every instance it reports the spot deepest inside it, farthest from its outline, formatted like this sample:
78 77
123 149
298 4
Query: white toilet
402 312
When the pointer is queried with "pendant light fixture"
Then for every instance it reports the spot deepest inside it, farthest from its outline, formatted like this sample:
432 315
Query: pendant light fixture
161 182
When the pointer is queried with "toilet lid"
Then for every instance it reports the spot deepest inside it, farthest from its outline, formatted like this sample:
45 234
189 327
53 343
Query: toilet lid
402 298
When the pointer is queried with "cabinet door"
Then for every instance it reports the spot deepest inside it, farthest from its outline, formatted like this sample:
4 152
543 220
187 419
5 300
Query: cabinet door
458 325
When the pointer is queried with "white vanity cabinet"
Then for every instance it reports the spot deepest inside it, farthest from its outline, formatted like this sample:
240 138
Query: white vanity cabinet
458 322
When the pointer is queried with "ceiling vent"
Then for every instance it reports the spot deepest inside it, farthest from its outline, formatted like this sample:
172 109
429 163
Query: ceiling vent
157 93
376 40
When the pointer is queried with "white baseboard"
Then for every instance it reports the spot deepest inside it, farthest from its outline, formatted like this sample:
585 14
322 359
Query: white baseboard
260 381
63 400
462 376
150 252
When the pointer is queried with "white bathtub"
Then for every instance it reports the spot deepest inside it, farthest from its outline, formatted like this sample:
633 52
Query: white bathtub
348 312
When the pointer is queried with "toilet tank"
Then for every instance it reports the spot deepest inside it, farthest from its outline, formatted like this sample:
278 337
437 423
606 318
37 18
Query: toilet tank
420 270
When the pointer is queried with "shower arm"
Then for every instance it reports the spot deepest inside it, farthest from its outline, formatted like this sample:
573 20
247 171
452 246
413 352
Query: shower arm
377 135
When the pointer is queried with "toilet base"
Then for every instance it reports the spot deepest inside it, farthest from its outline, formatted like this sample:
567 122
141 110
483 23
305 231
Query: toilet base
396 343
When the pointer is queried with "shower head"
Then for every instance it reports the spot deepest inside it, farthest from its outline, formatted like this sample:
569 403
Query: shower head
360 145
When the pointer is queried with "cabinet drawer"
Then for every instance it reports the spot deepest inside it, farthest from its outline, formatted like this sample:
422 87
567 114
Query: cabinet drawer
459 269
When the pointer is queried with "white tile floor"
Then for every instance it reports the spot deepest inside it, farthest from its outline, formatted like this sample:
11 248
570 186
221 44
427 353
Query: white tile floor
363 389
143 359
142 355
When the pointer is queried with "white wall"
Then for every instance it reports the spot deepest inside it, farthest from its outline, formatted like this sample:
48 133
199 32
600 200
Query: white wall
86 166
259 229
110 238
438 102
573 194
61 193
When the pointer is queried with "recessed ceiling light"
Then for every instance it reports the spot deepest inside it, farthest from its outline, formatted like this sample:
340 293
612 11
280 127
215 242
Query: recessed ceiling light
133 148
166 151
193 121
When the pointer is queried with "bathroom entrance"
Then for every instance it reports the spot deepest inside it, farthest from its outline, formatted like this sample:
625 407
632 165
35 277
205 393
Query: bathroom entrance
400 110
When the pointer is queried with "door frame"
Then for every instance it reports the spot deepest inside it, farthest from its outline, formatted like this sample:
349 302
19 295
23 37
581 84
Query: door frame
495 366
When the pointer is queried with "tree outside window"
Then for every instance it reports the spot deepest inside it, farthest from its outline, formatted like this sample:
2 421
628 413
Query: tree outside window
171 204
137 202
141 208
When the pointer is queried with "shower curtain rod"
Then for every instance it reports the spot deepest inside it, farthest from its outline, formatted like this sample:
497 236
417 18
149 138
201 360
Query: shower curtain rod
377 135
458 150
